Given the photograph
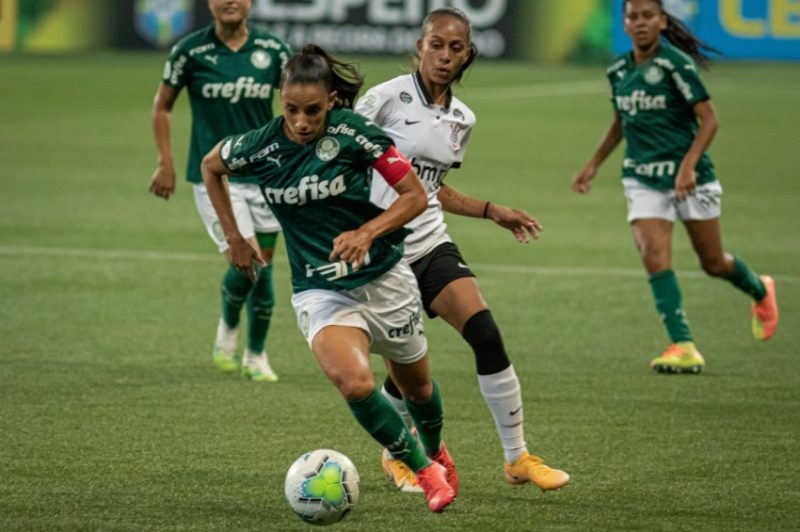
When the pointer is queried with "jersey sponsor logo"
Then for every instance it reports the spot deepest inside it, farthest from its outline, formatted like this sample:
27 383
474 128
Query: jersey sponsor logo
332 271
369 101
639 100
264 152
408 329
342 129
327 148
237 163
201 49
654 169
244 87
260 59
177 70
654 75
310 188
429 173
406 97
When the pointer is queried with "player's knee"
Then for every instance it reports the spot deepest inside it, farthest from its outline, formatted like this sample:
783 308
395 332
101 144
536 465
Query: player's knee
354 387
481 333
419 393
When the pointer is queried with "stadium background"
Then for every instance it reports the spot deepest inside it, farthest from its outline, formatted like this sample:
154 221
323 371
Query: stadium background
113 418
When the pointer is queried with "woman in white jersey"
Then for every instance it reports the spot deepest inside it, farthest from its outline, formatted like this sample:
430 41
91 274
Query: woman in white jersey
431 127
352 291
229 69
665 115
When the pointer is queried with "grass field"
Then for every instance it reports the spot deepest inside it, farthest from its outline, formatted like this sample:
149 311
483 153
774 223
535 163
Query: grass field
112 416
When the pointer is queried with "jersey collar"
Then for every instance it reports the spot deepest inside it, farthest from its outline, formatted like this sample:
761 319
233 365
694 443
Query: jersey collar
427 99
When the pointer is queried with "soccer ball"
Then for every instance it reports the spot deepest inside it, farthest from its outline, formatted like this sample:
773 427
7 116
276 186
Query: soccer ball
322 486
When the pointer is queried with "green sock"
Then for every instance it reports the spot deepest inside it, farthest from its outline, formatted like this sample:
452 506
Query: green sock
429 418
669 304
259 309
746 280
384 424
235 287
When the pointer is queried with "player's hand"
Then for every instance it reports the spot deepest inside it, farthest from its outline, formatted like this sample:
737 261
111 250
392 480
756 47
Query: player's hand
582 181
244 256
162 184
352 247
685 183
521 224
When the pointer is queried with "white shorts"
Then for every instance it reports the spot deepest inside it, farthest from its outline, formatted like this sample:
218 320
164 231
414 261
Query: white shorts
648 202
388 309
249 207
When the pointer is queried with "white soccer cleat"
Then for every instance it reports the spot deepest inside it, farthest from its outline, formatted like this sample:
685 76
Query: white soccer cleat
255 367
224 353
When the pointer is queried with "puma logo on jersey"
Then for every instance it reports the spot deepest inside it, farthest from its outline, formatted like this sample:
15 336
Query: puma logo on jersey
392 160
275 160
211 58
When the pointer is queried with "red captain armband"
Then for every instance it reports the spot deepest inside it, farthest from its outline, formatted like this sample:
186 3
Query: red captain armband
393 166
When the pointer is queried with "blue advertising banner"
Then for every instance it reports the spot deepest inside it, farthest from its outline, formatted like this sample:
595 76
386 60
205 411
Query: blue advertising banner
741 29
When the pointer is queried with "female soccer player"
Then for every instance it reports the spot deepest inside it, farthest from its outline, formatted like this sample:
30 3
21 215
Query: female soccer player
230 70
352 291
658 99
431 126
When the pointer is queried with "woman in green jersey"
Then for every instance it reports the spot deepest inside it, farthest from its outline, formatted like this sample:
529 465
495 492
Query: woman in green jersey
230 70
665 115
352 292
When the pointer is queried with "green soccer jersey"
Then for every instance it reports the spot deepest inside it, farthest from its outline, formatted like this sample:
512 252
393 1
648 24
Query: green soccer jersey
317 192
655 101
229 92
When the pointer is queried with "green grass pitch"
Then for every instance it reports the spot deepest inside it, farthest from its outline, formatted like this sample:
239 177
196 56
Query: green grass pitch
112 416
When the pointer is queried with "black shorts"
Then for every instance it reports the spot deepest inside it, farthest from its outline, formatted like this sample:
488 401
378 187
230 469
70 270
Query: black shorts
436 270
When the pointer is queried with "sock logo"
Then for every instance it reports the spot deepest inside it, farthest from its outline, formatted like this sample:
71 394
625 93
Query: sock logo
515 412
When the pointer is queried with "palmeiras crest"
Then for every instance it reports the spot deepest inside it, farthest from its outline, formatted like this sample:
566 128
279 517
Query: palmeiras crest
161 22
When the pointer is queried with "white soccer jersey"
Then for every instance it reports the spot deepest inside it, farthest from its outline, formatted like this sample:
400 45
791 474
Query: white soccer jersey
434 138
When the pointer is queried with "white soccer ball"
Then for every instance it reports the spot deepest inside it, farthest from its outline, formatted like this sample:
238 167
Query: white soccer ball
322 486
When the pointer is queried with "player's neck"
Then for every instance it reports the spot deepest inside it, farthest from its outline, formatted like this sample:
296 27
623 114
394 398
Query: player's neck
439 93
643 55
234 36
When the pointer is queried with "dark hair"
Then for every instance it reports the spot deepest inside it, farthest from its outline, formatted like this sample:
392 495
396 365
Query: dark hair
314 65
464 19
681 36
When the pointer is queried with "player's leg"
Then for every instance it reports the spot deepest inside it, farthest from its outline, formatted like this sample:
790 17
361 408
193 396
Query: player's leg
234 288
707 242
254 213
461 304
260 302
653 239
651 214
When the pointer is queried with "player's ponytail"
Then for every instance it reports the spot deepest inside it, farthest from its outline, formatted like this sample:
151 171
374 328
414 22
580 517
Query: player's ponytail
314 65
464 19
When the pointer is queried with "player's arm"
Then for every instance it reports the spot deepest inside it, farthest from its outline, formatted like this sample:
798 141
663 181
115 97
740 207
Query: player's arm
582 181
243 255
521 224
162 184
352 246
686 180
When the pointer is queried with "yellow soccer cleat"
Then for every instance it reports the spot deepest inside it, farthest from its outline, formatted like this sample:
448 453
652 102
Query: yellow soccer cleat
765 312
682 357
531 468
399 473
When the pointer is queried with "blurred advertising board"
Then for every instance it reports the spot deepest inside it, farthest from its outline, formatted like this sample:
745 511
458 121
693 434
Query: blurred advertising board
740 29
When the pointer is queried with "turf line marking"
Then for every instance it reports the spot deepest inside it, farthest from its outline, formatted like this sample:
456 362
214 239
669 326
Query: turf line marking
177 256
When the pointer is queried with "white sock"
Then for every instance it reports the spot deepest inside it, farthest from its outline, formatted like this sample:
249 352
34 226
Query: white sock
400 405
502 394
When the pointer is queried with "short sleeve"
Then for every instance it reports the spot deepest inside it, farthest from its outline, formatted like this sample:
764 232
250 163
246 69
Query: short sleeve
243 154
689 83
375 106
175 71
